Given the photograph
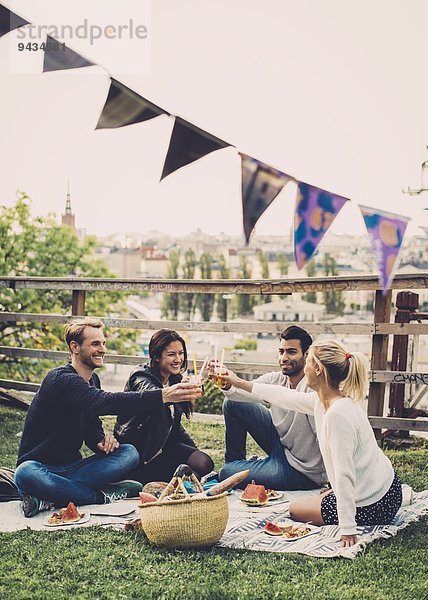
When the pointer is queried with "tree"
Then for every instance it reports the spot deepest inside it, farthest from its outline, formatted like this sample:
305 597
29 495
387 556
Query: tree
38 246
187 301
170 302
264 263
205 302
283 264
245 302
333 301
221 301
310 272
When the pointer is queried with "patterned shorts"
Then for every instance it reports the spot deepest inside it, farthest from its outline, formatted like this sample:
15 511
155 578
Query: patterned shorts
381 512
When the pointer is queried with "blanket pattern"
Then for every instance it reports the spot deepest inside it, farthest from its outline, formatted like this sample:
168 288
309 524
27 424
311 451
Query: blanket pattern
245 529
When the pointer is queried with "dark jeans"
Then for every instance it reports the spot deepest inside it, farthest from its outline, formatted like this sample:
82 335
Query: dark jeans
79 482
274 472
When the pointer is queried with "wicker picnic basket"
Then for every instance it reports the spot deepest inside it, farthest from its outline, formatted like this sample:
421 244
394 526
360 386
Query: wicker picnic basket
192 521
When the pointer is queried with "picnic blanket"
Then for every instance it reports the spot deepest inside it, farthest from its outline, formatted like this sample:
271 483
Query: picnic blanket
244 529
115 515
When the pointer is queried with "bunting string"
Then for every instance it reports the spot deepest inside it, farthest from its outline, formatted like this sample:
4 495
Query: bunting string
261 183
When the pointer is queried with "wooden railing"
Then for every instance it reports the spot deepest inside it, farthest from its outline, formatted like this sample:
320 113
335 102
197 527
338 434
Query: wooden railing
380 329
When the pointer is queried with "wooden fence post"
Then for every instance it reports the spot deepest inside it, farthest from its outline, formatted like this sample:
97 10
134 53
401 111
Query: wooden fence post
78 302
406 303
382 314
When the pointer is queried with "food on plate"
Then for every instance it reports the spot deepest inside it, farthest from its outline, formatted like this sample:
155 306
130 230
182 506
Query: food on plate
228 483
254 495
297 531
145 498
155 488
65 515
272 529
273 494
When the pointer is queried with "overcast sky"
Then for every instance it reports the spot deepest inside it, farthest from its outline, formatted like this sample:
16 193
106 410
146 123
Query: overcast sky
332 92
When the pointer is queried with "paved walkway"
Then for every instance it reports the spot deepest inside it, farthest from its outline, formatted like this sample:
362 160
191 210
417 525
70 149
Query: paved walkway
204 418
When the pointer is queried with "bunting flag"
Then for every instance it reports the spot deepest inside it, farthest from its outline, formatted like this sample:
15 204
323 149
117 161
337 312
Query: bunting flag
58 57
316 210
261 184
386 232
125 107
9 21
187 144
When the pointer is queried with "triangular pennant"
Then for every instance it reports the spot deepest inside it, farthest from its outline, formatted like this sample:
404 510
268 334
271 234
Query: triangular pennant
187 144
386 232
261 184
316 210
125 107
9 21
58 57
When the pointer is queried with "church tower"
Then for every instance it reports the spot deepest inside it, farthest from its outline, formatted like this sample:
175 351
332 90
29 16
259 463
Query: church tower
68 216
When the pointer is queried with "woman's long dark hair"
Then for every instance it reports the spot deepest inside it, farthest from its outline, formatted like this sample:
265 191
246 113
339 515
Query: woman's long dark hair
158 342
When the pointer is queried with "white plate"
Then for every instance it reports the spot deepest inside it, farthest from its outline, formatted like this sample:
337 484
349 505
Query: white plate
113 510
84 519
312 531
276 498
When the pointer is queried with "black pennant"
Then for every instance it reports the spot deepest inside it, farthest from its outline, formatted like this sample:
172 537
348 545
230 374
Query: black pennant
125 107
261 184
58 57
9 21
187 144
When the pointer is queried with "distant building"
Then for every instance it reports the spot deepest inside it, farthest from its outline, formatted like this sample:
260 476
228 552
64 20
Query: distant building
68 217
289 311
154 266
125 262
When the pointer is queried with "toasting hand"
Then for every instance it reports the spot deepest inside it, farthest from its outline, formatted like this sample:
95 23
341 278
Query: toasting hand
181 392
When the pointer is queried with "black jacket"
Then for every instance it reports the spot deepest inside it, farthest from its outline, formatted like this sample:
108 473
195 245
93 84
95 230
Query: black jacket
149 431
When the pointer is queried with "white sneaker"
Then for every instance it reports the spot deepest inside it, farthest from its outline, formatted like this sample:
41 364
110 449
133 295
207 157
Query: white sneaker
407 495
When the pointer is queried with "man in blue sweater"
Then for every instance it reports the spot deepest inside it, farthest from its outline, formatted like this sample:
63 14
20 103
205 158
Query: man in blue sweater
65 413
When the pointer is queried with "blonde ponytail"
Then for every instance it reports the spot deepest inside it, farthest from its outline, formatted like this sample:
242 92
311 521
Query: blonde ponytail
355 385
347 371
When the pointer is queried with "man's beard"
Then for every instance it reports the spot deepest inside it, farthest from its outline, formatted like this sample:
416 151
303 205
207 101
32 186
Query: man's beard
291 370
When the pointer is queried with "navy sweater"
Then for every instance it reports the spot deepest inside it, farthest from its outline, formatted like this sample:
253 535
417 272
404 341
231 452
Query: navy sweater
64 414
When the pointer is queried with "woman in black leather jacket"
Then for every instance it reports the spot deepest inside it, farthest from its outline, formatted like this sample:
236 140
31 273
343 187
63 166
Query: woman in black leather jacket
159 437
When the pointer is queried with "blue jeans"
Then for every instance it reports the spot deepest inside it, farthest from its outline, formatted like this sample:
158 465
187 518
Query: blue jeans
274 472
79 482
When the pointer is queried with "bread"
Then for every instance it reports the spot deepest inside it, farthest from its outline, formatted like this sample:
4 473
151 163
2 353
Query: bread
228 483
155 488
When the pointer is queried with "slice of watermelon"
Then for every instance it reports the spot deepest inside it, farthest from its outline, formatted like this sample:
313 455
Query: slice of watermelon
254 494
272 529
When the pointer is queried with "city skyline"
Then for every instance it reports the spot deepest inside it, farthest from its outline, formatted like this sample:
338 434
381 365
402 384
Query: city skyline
329 94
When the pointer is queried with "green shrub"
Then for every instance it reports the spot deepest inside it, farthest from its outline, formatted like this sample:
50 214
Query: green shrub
212 400
246 345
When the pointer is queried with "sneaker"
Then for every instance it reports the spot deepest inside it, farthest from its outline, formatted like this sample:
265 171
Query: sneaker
120 490
254 457
31 505
209 477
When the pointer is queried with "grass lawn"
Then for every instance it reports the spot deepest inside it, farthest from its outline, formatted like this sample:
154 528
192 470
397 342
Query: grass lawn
96 563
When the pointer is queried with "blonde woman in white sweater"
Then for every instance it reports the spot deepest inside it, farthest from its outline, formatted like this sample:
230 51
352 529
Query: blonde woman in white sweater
365 489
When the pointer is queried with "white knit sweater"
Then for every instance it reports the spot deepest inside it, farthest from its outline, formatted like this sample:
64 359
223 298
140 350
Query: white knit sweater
359 472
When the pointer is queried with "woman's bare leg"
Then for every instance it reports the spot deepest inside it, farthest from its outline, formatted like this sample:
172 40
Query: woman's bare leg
308 510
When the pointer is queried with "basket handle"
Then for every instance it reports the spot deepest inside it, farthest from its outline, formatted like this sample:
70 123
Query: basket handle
197 482
180 485
168 489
